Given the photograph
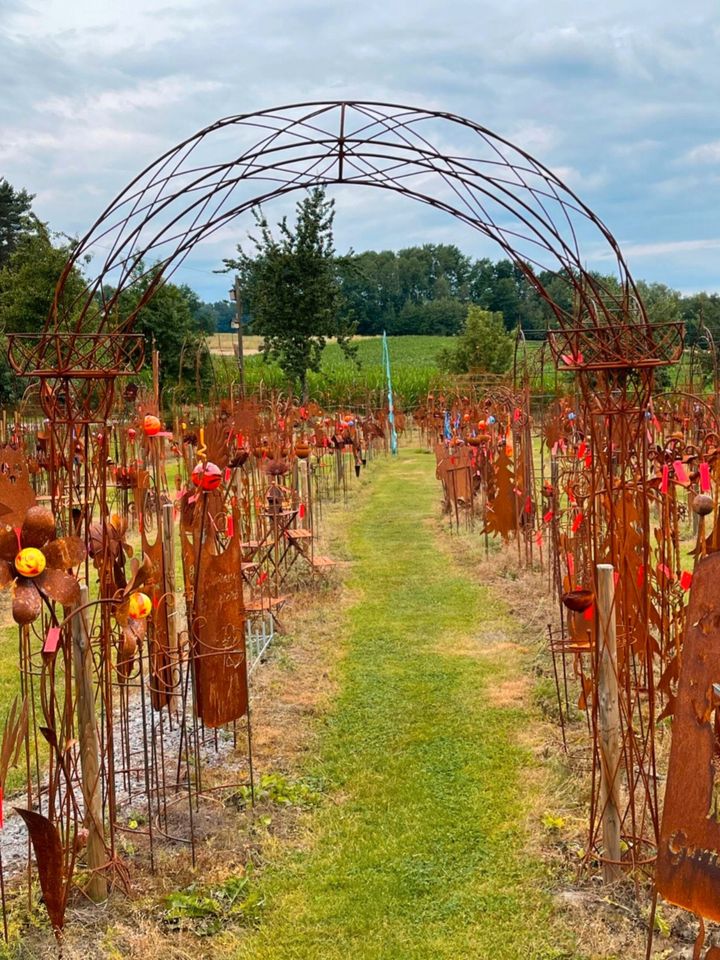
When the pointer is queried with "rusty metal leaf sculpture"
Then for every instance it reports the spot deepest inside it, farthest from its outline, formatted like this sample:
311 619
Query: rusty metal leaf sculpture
16 492
51 871
65 553
8 545
502 512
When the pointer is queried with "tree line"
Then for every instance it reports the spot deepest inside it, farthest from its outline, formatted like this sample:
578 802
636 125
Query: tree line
427 290
297 292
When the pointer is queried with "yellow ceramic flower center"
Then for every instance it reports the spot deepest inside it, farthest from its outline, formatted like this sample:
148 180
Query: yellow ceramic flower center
30 562
140 605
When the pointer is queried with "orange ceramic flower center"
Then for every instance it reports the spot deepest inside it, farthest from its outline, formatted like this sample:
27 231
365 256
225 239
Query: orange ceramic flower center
30 562
152 425
140 605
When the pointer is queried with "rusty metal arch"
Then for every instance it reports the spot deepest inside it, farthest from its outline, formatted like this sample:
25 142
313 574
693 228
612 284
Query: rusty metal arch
480 178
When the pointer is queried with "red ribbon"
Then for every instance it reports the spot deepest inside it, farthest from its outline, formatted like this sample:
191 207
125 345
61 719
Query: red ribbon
681 473
705 477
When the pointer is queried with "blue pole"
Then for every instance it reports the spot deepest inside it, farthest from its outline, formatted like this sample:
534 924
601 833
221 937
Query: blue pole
391 406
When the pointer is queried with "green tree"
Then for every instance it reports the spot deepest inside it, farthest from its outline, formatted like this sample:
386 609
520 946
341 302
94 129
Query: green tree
203 314
16 219
294 290
168 323
444 317
27 288
701 312
28 281
483 346
662 303
370 289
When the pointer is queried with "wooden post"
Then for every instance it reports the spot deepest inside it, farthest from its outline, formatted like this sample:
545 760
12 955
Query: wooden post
609 721
89 754
168 549
309 518
156 375
240 346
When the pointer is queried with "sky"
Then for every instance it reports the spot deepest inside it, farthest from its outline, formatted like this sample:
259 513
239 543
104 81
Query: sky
620 98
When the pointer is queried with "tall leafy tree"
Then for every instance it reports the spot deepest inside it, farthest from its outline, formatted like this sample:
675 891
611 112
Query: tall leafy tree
169 322
27 287
16 219
294 289
29 278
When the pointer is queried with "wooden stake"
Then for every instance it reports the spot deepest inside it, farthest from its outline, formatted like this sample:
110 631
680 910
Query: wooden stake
609 721
156 376
89 754
168 548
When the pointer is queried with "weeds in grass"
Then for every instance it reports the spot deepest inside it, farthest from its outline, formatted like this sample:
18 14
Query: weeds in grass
277 789
206 911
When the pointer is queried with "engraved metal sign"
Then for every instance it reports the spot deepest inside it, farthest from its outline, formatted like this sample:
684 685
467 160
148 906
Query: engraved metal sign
688 866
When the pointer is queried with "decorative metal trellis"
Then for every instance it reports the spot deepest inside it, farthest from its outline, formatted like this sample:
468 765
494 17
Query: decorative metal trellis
450 163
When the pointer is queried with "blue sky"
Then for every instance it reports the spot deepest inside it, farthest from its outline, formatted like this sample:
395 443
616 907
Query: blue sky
620 98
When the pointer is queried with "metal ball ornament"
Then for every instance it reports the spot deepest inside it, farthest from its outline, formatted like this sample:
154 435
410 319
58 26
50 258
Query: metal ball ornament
207 476
30 562
702 504
140 605
151 425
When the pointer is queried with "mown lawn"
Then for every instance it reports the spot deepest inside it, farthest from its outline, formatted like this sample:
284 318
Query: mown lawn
421 850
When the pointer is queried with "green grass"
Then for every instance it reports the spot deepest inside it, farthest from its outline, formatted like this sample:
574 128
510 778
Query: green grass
9 689
423 853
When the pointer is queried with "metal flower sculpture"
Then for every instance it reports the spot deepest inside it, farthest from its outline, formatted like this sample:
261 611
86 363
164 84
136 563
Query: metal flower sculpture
133 608
37 564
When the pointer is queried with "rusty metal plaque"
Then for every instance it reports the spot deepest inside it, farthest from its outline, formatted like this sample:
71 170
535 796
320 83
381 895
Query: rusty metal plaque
215 601
688 866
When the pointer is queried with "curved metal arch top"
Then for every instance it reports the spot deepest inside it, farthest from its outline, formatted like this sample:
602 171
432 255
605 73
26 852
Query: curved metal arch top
440 159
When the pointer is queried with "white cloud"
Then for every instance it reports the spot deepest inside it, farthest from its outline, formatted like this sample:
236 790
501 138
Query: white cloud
149 96
670 247
704 153
609 96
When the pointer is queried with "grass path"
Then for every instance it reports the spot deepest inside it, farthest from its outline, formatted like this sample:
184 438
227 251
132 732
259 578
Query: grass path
420 852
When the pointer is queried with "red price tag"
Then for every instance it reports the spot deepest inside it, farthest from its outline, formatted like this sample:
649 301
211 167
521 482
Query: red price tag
51 640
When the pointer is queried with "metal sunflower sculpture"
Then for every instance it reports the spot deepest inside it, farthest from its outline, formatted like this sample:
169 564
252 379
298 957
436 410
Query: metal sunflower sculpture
37 564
